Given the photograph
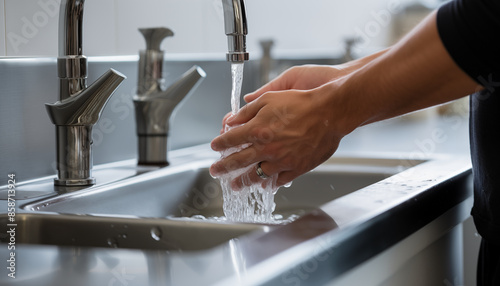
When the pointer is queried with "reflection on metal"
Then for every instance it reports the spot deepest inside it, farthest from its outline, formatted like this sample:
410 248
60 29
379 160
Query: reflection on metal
235 24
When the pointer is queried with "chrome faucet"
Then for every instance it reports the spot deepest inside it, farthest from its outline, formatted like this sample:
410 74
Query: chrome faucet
155 105
235 24
79 107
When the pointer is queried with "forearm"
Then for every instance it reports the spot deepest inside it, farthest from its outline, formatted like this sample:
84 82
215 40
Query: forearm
354 65
415 73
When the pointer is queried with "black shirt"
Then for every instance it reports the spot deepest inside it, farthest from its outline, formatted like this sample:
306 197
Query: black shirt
470 31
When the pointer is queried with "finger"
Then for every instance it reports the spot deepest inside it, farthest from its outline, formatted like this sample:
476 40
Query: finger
226 117
224 120
235 137
246 113
238 135
283 82
274 85
251 178
235 161
256 94
285 178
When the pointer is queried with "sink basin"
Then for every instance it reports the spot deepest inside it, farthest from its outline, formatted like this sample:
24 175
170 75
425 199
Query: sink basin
188 190
155 210
122 232
349 210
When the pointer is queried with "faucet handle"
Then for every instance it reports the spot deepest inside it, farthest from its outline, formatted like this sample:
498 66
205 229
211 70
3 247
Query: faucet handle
74 118
150 72
154 37
85 108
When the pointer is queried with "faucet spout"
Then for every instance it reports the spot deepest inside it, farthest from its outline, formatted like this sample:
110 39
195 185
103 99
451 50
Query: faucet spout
235 23
79 107
71 27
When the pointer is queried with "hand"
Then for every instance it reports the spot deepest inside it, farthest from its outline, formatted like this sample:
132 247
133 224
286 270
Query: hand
296 122
291 120
304 77
289 131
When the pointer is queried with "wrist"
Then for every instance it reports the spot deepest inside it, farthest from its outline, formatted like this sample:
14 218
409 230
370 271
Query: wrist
343 107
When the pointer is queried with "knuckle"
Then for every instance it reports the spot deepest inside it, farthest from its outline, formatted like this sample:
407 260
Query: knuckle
254 132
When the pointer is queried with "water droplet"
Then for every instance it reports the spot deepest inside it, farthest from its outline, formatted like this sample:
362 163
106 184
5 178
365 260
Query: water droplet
112 242
288 185
156 233
332 187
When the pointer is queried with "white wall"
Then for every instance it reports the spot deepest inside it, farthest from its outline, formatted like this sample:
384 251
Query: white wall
29 27
2 31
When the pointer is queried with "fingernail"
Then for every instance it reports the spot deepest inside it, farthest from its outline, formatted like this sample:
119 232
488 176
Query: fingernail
213 145
214 171
230 120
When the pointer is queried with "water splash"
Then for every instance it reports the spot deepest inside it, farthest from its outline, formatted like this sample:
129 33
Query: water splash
276 219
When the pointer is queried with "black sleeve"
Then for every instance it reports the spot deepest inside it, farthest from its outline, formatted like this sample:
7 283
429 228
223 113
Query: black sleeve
470 31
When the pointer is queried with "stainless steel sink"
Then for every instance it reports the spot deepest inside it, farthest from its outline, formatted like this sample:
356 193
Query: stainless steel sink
122 232
350 209
188 190
154 210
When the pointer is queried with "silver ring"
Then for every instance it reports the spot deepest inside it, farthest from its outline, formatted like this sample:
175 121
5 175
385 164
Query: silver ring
261 173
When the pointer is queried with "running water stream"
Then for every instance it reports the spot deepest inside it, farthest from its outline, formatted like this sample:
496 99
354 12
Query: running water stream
237 81
254 203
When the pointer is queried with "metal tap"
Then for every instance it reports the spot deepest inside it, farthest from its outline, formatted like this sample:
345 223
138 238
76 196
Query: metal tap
79 107
154 105
235 23
266 61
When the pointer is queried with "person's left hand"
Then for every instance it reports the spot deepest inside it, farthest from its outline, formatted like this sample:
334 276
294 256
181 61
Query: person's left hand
290 132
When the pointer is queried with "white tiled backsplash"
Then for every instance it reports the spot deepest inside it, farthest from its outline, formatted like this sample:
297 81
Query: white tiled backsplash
110 26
